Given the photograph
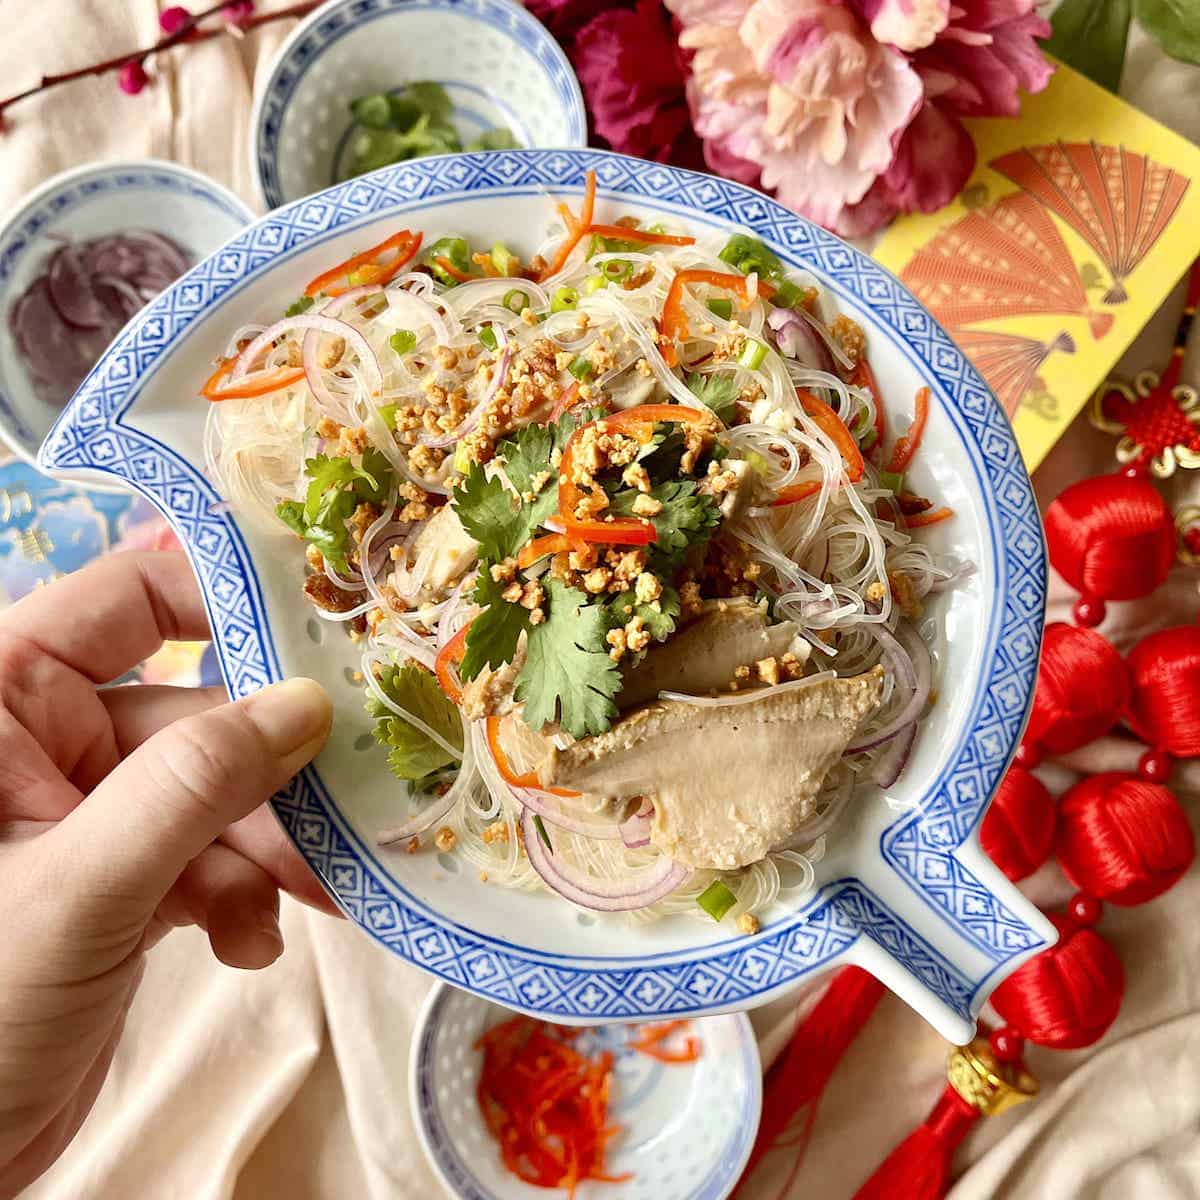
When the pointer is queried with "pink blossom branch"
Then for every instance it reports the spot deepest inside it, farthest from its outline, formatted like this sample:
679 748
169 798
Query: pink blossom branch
187 31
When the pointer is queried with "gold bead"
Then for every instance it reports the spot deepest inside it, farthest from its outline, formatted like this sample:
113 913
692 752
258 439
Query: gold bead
992 1087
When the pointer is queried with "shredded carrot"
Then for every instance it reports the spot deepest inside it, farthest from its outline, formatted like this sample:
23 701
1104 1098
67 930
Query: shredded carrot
920 520
451 654
673 324
835 429
404 245
576 227
863 377
546 1104
485 264
635 422
640 235
446 265
907 445
551 543
567 400
529 779
689 1053
260 383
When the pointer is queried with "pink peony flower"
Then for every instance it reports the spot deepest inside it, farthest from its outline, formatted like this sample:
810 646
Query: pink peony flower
905 24
800 89
985 56
564 18
632 76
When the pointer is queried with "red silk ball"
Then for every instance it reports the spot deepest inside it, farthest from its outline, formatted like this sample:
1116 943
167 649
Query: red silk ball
1111 537
1122 839
1164 709
1018 828
1068 995
1082 689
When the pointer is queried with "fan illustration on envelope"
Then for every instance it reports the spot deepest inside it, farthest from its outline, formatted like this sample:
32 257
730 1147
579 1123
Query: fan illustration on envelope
1058 250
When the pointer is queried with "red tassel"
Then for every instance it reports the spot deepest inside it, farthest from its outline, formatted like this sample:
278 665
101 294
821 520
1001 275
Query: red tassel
1164 709
1082 690
1070 994
1018 829
1122 839
1111 538
919 1168
799 1075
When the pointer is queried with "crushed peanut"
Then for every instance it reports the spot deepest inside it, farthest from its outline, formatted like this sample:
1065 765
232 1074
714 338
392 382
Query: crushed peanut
445 839
646 506
767 669
647 588
635 476
748 923
412 845
497 831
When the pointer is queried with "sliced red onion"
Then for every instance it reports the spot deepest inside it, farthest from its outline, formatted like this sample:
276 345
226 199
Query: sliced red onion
956 576
649 887
545 804
797 340
438 441
635 830
914 669
895 757
323 324
822 331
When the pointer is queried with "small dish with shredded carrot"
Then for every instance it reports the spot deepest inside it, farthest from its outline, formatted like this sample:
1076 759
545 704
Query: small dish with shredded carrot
524 1107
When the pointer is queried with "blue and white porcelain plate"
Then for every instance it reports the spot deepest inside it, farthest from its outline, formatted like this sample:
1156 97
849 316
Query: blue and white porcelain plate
687 1128
500 68
905 890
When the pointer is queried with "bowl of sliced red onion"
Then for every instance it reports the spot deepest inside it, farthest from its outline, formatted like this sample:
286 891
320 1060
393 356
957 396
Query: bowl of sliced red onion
80 257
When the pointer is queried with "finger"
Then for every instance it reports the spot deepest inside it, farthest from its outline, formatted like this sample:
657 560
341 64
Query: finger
260 838
138 711
236 902
132 837
105 619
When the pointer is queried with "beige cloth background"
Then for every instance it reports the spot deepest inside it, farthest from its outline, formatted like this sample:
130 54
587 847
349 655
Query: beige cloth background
291 1082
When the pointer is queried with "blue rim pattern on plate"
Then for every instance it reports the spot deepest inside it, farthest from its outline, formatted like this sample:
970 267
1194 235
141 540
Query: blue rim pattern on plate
717 1184
922 847
524 29
25 235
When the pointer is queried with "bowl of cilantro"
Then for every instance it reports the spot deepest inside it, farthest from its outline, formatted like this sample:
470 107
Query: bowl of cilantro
363 84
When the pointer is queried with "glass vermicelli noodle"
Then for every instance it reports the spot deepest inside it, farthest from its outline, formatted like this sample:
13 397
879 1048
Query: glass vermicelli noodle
626 541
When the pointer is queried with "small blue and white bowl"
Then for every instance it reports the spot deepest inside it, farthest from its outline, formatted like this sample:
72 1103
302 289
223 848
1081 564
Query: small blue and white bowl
688 1128
84 203
498 64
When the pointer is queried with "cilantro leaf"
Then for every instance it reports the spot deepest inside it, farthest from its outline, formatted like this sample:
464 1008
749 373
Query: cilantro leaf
412 753
336 488
688 518
658 616
568 676
717 392
499 522
491 514
493 636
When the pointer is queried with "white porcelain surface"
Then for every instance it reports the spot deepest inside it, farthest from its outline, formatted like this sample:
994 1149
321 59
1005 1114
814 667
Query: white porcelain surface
688 1127
498 64
87 202
905 890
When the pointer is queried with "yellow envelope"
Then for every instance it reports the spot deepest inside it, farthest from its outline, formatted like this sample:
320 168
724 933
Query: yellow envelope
1081 216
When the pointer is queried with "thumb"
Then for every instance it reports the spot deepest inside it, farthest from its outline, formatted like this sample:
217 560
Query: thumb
183 787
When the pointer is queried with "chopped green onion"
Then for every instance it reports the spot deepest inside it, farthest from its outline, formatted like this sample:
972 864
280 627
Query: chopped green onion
300 306
462 463
721 308
716 899
752 355
657 228
564 298
455 251
537 824
581 368
869 440
503 259
892 480
593 283
388 413
617 269
487 335
402 341
749 254
515 300
758 462
787 295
